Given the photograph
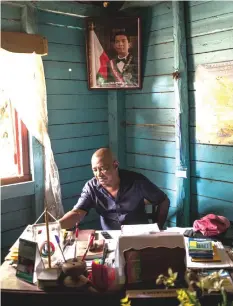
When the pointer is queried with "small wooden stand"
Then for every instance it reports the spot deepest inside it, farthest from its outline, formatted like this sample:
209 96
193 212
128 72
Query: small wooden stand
49 276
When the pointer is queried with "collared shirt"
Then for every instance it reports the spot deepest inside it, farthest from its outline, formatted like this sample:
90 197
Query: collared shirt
128 207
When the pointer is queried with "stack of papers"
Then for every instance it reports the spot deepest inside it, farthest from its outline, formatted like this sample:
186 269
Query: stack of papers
139 229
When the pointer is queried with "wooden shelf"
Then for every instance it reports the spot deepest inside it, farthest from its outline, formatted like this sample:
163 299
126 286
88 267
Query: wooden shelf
24 43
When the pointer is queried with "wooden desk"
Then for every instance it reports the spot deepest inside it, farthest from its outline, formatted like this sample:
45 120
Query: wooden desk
17 292
14 292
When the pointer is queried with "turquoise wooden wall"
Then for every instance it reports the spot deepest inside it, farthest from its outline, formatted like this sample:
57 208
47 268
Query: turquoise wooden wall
210 39
78 118
150 112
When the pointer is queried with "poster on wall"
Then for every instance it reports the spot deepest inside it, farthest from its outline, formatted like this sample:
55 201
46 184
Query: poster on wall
214 103
113 53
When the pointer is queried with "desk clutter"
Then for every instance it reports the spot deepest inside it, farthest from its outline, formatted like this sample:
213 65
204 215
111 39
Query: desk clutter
132 258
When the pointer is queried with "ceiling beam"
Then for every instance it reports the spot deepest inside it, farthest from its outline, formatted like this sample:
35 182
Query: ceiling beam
70 8
139 4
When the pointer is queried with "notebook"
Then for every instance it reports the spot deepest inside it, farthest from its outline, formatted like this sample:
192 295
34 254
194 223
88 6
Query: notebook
96 252
215 258
200 245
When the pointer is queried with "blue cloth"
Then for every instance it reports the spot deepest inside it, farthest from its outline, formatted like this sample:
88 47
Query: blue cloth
128 207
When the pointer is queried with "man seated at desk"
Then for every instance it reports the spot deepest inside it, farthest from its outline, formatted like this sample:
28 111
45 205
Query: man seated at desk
117 195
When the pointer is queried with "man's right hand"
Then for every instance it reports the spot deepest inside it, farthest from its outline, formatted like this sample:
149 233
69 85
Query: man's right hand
71 218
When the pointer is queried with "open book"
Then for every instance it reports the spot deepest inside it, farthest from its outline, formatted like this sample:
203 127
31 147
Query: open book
95 252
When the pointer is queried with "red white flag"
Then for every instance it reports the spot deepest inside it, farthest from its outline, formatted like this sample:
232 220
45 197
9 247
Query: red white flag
99 58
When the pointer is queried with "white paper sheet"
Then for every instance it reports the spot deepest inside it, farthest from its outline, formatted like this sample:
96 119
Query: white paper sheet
179 230
139 229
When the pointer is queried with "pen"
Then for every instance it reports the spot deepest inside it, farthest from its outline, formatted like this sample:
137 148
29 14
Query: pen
92 237
58 242
104 253
65 236
76 238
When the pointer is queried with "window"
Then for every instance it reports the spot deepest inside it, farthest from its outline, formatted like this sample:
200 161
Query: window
15 163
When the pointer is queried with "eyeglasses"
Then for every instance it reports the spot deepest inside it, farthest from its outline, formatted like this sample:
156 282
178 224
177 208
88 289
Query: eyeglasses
101 169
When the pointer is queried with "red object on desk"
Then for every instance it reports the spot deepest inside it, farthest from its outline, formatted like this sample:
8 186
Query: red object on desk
102 276
76 231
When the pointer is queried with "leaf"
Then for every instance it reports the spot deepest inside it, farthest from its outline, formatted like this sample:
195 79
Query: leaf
159 281
125 299
170 273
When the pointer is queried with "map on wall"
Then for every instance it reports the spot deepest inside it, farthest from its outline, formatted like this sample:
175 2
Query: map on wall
214 103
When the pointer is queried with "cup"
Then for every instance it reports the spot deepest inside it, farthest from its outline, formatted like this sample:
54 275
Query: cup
103 276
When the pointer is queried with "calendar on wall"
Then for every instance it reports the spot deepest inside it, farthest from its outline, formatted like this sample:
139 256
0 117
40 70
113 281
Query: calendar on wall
214 103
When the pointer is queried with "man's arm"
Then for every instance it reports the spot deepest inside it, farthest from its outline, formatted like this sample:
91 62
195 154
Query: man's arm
85 203
162 212
156 197
71 218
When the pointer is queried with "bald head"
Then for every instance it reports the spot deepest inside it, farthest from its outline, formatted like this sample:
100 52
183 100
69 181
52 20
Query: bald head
104 154
105 167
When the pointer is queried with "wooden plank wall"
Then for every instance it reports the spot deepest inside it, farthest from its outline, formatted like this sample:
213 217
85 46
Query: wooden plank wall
16 213
78 118
150 113
210 39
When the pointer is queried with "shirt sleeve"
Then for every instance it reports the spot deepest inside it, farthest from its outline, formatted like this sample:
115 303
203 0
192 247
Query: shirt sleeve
85 202
150 191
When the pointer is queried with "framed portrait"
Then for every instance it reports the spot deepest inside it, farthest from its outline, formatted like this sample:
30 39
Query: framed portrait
113 49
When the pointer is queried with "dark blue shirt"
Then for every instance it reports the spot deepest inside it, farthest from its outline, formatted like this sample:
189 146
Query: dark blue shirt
128 207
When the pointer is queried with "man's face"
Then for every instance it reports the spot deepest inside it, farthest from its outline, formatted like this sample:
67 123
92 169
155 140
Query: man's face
104 170
121 45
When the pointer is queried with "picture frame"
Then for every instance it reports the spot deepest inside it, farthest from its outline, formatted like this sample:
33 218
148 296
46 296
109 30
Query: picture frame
113 50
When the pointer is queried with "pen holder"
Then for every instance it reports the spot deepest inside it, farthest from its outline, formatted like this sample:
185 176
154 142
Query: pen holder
75 274
102 276
74 268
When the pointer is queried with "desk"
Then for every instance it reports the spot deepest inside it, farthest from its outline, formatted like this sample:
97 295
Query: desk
14 291
17 292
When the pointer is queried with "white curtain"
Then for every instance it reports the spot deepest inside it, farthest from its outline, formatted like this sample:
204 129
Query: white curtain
22 81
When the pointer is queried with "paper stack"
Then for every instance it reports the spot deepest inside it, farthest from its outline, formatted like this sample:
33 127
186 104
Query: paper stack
139 229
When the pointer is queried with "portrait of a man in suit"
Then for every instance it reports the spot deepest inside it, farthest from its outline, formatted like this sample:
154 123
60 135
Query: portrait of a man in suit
114 56
122 68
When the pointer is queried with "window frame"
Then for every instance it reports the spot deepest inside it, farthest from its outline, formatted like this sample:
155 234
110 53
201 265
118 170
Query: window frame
22 156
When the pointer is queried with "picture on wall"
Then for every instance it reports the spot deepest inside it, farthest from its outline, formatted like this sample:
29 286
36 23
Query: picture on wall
113 53
214 103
